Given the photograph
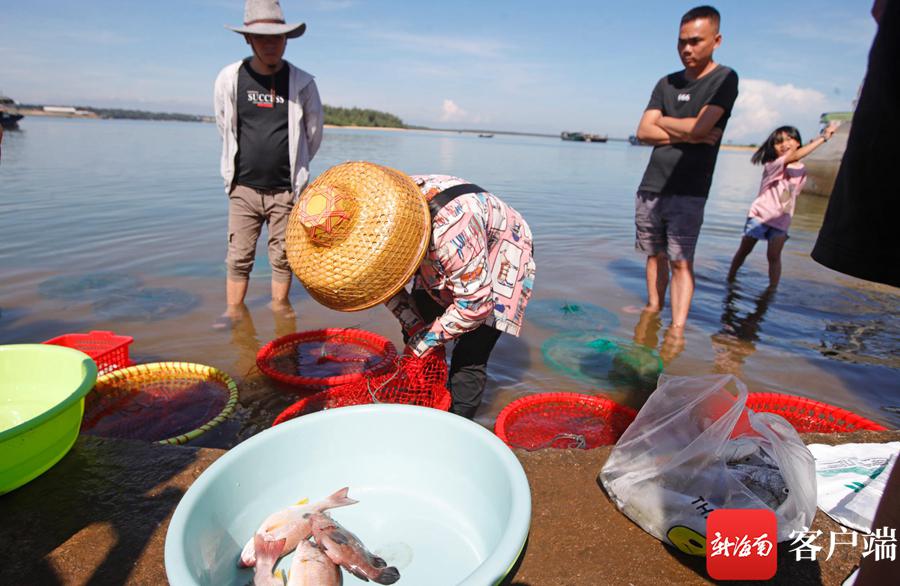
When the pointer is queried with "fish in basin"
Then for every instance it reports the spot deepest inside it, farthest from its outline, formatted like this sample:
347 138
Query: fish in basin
291 524
311 567
346 550
267 554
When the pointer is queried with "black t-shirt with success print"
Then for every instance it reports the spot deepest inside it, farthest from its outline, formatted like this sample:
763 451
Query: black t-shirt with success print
683 168
263 159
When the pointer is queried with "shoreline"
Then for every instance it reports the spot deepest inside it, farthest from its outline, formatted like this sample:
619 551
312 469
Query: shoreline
730 147
93 116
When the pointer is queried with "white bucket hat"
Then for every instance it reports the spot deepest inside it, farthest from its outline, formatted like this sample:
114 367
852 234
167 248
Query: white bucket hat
264 17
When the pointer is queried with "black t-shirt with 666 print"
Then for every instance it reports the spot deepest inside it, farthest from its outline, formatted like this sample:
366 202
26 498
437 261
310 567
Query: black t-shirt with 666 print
683 168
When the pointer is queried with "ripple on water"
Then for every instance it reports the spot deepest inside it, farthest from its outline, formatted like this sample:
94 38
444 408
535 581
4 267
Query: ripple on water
87 287
149 304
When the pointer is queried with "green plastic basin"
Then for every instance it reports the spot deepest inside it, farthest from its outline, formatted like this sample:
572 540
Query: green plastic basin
42 389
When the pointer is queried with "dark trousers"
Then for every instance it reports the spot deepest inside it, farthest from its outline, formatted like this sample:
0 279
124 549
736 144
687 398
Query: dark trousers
468 365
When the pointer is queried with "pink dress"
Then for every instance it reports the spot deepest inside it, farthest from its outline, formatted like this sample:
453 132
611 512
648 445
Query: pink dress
778 191
479 266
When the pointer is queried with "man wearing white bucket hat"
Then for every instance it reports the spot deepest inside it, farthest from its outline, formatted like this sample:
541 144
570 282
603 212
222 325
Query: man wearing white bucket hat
361 231
270 117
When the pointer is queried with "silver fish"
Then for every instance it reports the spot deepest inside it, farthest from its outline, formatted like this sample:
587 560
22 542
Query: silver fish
268 553
346 550
292 525
311 567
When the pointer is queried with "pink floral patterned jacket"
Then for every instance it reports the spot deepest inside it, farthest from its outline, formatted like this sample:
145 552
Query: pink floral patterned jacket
479 266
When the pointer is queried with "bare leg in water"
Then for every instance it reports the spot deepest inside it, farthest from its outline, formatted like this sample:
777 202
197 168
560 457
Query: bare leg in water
281 302
773 254
235 310
657 282
743 250
682 291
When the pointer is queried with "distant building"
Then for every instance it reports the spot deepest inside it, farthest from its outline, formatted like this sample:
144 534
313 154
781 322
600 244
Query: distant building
67 110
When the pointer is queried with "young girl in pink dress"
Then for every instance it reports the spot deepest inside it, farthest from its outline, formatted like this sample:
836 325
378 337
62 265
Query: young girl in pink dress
782 181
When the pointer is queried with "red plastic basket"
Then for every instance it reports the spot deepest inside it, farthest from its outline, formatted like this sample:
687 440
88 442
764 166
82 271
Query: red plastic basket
808 416
108 350
374 355
562 420
412 381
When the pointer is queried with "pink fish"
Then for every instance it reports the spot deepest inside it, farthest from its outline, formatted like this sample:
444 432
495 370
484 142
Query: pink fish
347 551
267 554
292 525
311 567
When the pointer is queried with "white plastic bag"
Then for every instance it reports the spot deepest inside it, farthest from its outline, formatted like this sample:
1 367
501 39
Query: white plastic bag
851 479
695 448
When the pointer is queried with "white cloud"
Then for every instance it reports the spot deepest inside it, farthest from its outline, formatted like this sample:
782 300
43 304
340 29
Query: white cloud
451 112
762 106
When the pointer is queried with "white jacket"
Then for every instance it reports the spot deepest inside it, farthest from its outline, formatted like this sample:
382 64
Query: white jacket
304 122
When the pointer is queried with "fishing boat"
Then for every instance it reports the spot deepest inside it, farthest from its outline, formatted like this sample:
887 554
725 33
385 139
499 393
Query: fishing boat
485 136
576 136
9 113
583 137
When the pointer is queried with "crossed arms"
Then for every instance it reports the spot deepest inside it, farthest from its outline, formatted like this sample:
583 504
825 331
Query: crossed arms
656 129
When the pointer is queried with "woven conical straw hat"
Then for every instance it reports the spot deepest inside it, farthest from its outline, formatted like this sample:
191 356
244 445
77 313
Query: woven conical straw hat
357 235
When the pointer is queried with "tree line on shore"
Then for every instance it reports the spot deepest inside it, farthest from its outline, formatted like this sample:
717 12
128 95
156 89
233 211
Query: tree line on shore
334 115
361 117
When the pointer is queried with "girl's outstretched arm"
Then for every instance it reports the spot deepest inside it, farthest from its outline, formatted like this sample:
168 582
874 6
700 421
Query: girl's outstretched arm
812 145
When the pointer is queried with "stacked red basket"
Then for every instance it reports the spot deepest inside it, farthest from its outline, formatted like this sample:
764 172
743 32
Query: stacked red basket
109 351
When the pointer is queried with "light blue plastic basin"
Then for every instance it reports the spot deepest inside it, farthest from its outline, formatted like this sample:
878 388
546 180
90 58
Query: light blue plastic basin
440 497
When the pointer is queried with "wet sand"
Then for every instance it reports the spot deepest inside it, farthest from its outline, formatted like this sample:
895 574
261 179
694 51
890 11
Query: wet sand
100 516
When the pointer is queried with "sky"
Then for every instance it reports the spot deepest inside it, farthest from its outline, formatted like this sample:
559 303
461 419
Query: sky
515 65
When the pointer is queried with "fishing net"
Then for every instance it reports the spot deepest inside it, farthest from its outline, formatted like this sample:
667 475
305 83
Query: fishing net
164 402
604 361
411 381
324 358
568 315
562 420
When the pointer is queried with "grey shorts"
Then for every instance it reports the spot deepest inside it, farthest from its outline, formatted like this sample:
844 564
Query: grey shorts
667 224
248 210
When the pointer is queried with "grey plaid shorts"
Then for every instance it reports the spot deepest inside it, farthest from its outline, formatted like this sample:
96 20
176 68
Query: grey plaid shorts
668 224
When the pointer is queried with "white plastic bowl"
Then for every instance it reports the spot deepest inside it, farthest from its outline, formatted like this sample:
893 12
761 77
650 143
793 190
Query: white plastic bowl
440 497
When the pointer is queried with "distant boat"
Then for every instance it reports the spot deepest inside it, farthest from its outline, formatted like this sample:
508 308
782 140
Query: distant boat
822 165
583 137
635 141
485 136
9 113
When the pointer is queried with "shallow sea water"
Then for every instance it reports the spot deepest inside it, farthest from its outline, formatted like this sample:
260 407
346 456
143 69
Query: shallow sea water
120 225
